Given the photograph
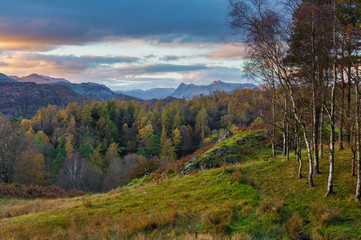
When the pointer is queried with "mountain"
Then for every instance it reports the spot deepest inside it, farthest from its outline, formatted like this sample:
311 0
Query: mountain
35 78
40 79
96 91
154 93
4 78
187 90
25 98
190 90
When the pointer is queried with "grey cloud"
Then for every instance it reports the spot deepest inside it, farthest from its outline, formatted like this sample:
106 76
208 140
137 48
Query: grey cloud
161 68
81 21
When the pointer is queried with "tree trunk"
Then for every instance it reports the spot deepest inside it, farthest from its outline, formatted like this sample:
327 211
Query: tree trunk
358 149
342 109
357 134
307 142
348 109
332 110
320 150
285 131
314 101
273 120
298 151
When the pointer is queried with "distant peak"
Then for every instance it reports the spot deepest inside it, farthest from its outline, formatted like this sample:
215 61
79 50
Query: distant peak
34 75
216 82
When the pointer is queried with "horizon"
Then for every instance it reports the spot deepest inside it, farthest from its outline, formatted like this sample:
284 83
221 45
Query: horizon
137 89
123 45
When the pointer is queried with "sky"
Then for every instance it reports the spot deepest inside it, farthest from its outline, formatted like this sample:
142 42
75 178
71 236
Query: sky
124 44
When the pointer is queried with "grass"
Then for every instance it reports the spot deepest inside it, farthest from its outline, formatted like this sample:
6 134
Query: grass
200 203
337 216
260 198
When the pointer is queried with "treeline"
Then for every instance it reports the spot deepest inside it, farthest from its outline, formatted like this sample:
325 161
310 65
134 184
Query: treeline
98 146
308 56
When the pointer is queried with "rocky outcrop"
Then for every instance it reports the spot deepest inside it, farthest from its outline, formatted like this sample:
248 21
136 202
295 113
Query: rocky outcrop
231 149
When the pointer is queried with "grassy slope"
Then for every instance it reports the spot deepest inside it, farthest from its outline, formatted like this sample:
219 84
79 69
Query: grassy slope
263 201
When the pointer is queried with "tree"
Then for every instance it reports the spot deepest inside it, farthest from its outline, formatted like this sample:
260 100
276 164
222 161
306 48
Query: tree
30 168
176 137
97 159
86 118
152 146
74 172
12 144
186 141
111 154
168 150
145 133
163 137
202 123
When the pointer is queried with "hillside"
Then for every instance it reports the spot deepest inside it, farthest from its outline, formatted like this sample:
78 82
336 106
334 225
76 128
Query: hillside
96 91
4 78
259 198
25 99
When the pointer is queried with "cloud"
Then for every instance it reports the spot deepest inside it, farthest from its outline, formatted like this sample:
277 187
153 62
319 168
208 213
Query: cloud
70 63
232 75
228 51
160 68
47 24
170 58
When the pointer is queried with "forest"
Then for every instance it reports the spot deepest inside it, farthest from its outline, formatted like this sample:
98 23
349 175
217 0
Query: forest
101 145
308 56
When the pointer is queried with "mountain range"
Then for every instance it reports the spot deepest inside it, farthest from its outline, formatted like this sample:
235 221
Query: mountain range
23 96
187 91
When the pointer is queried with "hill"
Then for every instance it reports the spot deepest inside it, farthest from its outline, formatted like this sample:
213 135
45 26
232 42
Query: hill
258 198
93 90
24 99
154 93
4 78
187 90
96 91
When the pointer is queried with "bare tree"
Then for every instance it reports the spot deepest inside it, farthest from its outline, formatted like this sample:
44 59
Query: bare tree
74 172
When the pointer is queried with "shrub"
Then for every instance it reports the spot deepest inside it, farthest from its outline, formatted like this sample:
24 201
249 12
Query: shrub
36 191
294 227
237 175
87 202
324 215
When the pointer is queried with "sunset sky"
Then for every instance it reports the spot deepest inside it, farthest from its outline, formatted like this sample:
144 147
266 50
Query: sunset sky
124 44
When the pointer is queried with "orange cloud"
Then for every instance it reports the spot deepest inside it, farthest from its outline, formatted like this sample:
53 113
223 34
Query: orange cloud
228 51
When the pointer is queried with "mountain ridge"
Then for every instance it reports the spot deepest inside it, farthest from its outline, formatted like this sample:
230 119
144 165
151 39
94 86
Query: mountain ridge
187 90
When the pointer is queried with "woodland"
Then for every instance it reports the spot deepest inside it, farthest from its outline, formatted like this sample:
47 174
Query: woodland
101 145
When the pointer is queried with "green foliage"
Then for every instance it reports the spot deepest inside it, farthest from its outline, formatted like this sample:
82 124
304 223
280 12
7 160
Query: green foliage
57 160
97 159
152 146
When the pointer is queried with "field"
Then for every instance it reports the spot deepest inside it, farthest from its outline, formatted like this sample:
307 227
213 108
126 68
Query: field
258 198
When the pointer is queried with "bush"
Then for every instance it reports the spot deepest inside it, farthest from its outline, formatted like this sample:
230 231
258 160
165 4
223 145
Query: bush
36 191
237 175
294 227
324 215
87 202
